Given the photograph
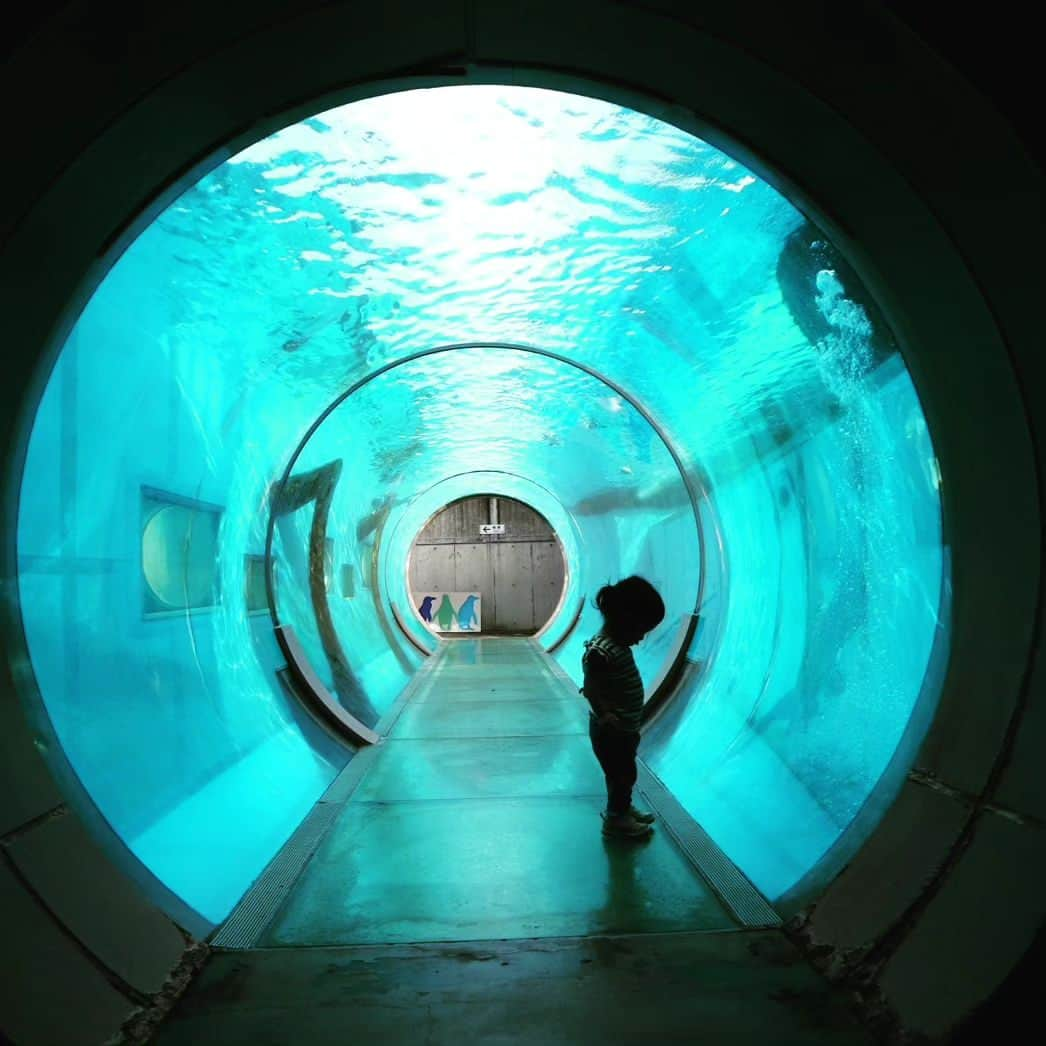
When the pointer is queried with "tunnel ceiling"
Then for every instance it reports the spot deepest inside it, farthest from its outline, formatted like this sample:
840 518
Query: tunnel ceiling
483 213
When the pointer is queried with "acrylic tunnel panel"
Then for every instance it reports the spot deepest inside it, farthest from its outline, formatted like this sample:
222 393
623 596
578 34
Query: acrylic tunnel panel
633 256
493 409
824 627
139 535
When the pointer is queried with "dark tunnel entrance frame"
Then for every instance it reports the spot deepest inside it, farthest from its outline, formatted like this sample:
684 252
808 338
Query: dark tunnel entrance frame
668 59
356 732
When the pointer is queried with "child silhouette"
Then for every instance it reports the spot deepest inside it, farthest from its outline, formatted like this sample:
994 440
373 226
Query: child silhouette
614 689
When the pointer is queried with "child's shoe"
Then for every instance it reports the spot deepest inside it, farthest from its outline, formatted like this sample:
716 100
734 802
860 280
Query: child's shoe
638 815
624 824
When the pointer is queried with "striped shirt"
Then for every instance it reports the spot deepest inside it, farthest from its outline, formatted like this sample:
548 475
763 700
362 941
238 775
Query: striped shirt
612 681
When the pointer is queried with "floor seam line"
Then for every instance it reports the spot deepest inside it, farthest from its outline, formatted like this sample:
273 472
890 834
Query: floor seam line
485 737
474 799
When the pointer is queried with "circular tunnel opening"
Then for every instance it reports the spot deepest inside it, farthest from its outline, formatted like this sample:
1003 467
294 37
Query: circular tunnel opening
465 411
767 464
487 565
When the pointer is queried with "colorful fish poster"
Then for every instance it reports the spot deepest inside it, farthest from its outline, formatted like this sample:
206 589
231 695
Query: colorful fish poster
449 611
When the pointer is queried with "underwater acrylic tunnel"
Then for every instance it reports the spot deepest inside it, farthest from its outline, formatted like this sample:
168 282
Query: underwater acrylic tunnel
528 294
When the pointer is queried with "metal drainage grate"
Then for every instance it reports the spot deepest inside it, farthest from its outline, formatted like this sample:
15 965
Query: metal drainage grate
342 787
744 901
260 904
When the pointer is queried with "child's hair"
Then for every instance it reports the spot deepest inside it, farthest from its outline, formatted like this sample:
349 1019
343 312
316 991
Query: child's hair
632 600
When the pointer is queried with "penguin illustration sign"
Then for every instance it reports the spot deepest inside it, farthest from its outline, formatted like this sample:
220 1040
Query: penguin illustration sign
449 611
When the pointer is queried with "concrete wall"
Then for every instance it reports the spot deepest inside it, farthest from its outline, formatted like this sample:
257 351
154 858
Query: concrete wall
519 574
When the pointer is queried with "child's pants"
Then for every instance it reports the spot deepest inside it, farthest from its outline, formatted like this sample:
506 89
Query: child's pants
616 752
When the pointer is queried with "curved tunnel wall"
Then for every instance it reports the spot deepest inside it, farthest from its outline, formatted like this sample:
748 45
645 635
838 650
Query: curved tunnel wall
518 421
744 360
973 469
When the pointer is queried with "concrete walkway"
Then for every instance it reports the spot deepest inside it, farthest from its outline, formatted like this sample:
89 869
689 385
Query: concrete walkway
465 889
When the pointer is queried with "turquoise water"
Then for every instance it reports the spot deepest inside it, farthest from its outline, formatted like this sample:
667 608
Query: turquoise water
645 266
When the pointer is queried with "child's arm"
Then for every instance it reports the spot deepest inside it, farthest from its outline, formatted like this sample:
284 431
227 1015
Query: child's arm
595 667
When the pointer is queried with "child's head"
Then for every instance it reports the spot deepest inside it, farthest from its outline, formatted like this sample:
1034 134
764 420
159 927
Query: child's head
631 608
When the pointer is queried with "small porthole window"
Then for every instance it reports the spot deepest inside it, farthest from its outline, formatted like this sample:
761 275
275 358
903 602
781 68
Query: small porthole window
179 553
